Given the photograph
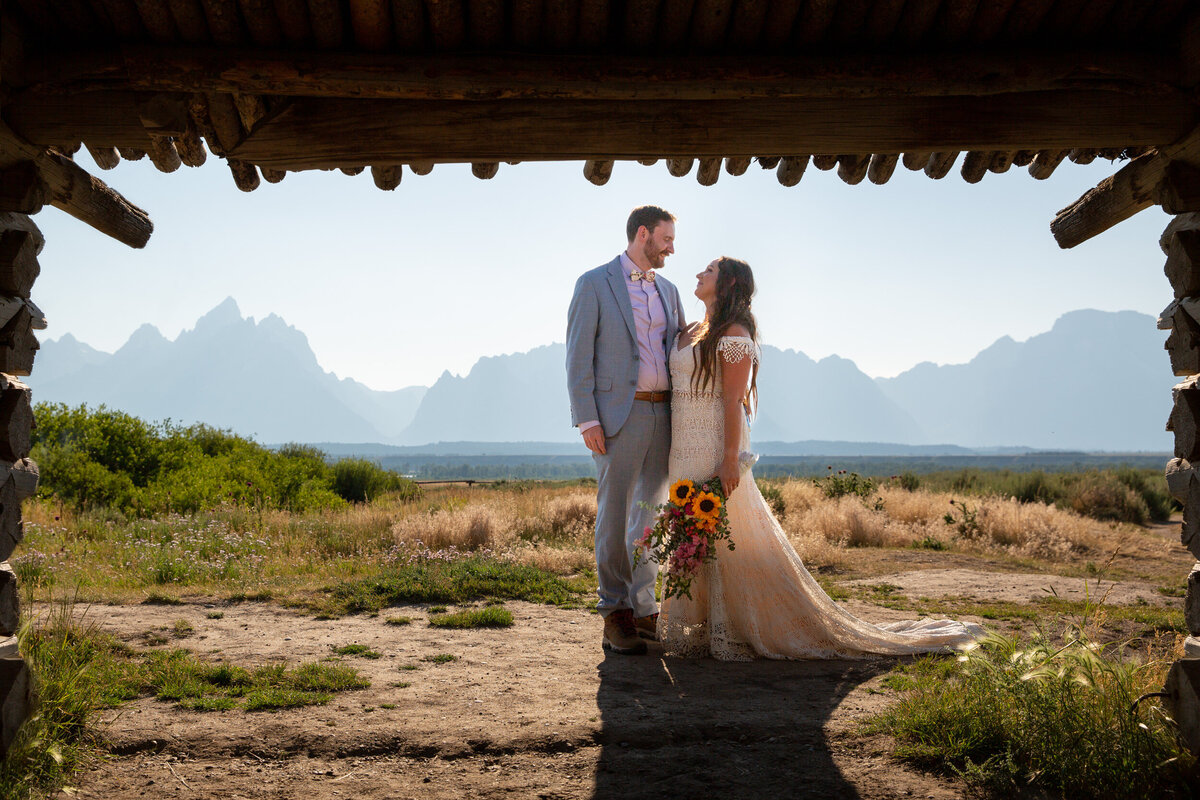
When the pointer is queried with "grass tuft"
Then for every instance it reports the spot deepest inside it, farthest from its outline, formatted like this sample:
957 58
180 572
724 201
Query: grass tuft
355 650
440 658
489 617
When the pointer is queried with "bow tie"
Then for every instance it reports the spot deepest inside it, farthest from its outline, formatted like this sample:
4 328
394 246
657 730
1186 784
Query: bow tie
638 275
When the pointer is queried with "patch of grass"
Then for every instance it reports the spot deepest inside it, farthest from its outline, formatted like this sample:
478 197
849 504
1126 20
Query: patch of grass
489 617
209 703
440 658
1016 715
388 706
270 698
402 684
181 628
460 581
356 650
1172 591
398 621
438 609
215 615
408 667
161 599
930 542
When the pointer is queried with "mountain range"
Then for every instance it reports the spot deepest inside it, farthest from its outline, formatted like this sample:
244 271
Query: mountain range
1095 381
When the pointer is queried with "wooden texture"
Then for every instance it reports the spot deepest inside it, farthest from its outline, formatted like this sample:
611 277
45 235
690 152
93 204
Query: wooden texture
596 77
245 175
1113 200
16 700
386 178
1183 344
22 189
1182 245
421 167
737 166
852 168
190 148
10 601
824 161
598 172
485 170
916 160
1179 191
940 164
882 167
1185 415
18 345
105 157
1044 164
678 167
312 134
1183 700
974 166
19 266
709 171
1184 485
1001 161
163 154
1191 603
791 170
12 530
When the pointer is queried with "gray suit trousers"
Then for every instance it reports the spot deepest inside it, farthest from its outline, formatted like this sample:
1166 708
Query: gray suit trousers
633 471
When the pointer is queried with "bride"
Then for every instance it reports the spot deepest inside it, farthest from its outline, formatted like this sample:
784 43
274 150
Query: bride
757 600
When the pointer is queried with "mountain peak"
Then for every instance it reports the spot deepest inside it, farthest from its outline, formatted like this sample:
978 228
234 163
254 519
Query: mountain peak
224 313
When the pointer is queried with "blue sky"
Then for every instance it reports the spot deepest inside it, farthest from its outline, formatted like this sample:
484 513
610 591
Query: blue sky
392 288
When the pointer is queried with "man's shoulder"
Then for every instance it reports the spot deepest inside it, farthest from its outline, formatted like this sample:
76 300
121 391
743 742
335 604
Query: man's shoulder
600 271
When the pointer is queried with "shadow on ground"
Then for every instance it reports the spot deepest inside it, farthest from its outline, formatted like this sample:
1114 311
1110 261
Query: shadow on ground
683 728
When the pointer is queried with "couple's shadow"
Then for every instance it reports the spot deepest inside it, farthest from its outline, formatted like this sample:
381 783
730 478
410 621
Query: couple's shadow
675 727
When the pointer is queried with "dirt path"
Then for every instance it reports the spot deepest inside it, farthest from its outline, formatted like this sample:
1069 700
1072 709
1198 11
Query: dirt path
536 710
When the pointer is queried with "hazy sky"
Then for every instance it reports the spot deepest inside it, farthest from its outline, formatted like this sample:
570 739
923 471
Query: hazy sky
392 288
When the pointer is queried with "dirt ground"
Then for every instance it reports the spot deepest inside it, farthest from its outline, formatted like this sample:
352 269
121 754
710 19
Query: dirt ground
536 710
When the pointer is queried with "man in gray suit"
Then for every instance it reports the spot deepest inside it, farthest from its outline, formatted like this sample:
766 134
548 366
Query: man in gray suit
622 320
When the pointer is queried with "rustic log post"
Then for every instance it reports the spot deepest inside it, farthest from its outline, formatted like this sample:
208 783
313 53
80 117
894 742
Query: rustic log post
1191 603
598 172
709 171
791 170
825 161
22 189
882 167
10 601
737 166
678 167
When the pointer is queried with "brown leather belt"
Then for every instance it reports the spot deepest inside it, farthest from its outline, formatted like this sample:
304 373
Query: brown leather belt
653 397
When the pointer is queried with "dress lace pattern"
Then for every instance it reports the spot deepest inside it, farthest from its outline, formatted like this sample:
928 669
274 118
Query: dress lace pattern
759 601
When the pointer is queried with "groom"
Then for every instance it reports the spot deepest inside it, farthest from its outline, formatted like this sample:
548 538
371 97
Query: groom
622 319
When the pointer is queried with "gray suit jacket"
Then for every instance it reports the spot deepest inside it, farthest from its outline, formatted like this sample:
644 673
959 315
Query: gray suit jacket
602 352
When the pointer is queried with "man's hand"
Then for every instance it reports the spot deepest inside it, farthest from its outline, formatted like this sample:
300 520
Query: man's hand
593 437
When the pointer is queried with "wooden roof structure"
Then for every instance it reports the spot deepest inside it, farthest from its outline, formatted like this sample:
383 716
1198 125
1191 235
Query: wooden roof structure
860 86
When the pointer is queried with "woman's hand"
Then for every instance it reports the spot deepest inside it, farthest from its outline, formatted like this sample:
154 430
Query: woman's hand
730 474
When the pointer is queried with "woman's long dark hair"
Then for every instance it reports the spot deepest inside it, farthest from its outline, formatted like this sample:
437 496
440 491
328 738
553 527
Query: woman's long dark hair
735 287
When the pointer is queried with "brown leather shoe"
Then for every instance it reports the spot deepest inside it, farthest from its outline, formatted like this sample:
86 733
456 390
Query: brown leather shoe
647 627
620 634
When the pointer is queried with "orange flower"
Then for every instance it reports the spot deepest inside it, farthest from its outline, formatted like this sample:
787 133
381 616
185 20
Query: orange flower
682 491
706 506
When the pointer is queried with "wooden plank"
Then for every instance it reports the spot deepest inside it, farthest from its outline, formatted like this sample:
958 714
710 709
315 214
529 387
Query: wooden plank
325 17
916 161
263 21
293 22
746 29
917 20
593 23
1044 163
156 16
421 167
189 20
125 20
813 21
1001 161
781 19
485 170
163 154
562 76
371 22
408 24
710 21
190 148
1181 243
245 174
272 175
641 17
975 164
678 167
1183 344
312 133
16 423
18 345
989 20
525 22
224 21
1185 414
561 19
824 161
105 157
883 21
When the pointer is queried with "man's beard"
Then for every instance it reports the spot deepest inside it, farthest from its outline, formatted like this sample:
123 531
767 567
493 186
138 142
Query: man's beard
655 258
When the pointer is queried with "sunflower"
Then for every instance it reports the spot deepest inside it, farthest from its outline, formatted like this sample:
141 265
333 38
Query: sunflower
682 491
706 506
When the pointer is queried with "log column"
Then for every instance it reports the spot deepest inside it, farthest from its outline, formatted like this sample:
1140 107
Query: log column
1181 243
20 244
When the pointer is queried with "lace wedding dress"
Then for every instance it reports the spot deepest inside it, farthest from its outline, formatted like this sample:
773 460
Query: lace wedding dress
758 600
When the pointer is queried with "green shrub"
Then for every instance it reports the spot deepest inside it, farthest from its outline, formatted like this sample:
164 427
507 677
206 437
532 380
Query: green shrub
773 495
358 480
1057 720
909 481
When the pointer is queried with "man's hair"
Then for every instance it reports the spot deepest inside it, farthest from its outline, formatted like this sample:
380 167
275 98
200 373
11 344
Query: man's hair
649 216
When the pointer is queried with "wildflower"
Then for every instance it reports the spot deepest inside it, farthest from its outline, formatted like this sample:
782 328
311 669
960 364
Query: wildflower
682 491
706 507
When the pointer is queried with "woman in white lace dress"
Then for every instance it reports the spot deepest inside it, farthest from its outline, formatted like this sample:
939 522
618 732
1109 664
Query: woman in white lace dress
757 600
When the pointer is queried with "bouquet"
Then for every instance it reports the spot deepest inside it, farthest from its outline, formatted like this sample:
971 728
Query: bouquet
685 533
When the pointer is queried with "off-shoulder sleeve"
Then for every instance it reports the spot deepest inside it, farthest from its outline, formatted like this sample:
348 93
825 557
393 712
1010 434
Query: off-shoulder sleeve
735 348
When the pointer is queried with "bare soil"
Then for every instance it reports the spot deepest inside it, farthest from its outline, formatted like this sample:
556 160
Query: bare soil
536 710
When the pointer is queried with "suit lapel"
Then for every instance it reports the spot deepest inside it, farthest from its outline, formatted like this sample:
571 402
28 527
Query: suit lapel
616 282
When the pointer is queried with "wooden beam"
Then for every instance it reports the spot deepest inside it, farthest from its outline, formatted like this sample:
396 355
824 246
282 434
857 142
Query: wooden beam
69 187
1137 186
588 77
312 132
1179 192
